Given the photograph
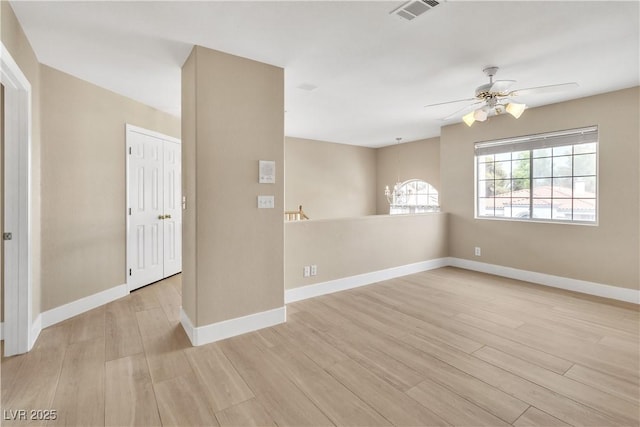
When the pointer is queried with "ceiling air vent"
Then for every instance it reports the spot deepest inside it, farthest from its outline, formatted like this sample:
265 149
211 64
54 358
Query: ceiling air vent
414 8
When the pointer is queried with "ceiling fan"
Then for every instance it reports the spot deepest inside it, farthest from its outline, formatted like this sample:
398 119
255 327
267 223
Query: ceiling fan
494 98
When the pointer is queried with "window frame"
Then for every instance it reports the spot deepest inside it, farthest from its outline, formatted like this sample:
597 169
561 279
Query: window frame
428 208
523 143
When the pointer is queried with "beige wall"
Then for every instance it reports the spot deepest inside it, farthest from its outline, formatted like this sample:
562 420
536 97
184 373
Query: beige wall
329 180
350 246
83 184
413 160
607 253
18 46
238 248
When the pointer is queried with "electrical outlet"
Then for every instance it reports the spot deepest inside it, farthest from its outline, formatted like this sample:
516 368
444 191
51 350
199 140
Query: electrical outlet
314 270
478 251
306 272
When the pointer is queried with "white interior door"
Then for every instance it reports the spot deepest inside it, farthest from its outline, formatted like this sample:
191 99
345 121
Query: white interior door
146 231
172 222
154 204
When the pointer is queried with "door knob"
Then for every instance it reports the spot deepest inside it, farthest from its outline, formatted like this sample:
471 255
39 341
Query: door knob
167 216
161 217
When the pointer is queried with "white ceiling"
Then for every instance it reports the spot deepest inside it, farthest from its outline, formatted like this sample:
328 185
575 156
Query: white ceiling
374 72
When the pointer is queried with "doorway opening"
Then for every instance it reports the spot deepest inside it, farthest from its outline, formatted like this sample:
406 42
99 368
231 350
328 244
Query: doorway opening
154 207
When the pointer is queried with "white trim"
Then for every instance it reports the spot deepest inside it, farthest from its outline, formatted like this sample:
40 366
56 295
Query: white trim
1 331
132 128
187 326
582 286
342 284
241 325
64 312
36 328
230 328
17 206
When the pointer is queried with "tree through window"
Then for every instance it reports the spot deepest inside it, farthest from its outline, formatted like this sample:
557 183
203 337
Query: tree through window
544 177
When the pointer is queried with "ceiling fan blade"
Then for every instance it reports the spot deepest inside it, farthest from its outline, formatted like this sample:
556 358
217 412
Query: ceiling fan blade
543 89
450 102
501 86
463 110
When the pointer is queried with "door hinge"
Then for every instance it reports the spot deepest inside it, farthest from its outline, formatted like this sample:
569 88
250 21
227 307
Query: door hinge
129 272
129 211
129 150
7 236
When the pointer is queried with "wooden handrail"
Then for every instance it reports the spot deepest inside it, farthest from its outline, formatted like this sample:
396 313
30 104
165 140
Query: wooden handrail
295 215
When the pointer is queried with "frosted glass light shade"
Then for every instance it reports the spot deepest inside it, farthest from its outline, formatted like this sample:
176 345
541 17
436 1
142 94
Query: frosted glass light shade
468 118
515 109
480 115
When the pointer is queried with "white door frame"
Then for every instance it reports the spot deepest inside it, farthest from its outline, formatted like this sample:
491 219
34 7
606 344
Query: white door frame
129 129
18 337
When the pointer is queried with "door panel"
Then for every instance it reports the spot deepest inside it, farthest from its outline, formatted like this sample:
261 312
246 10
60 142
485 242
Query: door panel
146 231
172 209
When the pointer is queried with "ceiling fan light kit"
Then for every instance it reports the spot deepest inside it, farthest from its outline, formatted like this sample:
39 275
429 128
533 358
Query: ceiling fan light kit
481 114
491 93
495 96
468 118
515 109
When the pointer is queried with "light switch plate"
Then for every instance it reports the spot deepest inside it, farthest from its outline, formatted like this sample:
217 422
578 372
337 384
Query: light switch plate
266 202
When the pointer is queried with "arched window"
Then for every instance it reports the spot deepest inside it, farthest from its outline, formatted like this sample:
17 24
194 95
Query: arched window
414 196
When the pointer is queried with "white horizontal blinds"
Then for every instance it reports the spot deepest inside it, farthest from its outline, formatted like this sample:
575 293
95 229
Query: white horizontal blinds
543 140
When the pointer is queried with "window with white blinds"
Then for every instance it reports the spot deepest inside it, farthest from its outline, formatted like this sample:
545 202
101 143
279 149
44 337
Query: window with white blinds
543 177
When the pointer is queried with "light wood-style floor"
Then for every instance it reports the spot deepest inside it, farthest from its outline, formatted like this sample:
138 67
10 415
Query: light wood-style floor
445 347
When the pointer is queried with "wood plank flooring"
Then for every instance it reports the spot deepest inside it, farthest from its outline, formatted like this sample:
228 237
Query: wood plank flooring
444 347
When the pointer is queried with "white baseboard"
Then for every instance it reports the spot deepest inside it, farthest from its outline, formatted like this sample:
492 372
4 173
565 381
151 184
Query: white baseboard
187 325
230 328
582 286
36 328
64 312
342 284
